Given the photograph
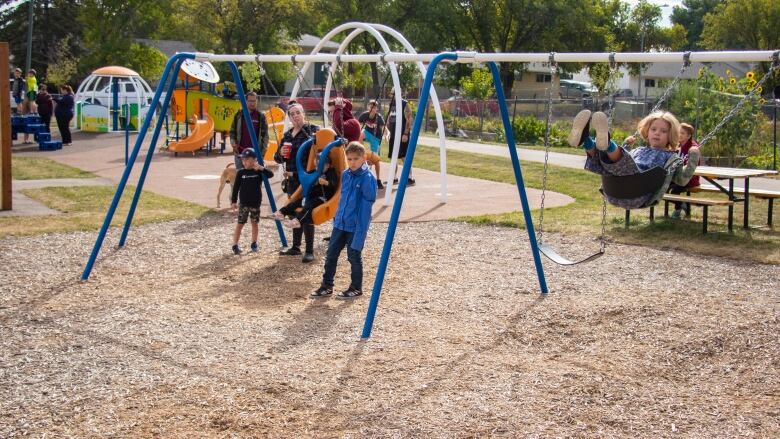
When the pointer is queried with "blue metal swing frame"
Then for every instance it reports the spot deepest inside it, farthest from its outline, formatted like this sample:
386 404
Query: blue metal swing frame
307 179
399 197
171 70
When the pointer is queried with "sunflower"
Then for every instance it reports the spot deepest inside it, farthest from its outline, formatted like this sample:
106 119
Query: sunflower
732 81
760 89
750 75
687 103
728 72
762 101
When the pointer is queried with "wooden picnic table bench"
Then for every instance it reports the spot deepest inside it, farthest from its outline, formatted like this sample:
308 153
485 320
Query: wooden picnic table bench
705 203
761 194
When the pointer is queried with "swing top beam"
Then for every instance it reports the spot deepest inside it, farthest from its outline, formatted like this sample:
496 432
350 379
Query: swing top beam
475 57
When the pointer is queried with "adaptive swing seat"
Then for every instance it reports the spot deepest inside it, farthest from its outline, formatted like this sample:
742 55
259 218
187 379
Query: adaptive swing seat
324 140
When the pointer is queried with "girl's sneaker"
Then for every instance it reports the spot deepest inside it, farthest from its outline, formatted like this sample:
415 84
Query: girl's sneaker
236 249
601 125
253 247
580 128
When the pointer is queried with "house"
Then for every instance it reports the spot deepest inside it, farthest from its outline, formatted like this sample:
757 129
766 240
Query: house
655 77
317 75
534 81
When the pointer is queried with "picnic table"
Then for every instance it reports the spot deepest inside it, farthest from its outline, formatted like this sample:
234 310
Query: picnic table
713 173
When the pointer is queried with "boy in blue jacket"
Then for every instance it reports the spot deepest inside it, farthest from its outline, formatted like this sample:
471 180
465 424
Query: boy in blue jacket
353 216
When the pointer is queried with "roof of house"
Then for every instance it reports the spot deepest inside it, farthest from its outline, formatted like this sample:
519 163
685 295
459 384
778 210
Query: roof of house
670 70
310 41
168 47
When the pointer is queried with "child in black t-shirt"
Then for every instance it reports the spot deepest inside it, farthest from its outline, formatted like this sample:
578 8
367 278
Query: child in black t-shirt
247 192
319 193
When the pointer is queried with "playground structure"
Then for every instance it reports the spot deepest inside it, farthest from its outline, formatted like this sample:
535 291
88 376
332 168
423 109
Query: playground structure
31 124
113 98
490 59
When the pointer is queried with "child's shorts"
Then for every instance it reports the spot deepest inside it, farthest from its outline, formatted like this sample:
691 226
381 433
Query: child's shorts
246 212
18 99
31 95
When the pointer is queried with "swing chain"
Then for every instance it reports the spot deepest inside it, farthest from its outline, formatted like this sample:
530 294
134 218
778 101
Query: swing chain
740 104
553 74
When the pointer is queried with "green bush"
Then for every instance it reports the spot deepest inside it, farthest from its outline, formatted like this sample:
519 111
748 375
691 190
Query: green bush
709 99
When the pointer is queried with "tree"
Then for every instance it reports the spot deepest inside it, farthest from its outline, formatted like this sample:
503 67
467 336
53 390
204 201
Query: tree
250 72
744 24
691 17
63 65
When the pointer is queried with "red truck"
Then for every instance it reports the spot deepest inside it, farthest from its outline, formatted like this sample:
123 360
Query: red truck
310 99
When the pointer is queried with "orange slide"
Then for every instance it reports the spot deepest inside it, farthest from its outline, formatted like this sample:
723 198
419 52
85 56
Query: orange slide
200 134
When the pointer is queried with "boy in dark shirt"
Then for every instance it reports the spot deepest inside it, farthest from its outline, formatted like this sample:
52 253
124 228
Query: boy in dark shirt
320 192
247 192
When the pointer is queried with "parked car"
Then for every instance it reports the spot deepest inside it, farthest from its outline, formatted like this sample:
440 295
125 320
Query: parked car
310 99
576 89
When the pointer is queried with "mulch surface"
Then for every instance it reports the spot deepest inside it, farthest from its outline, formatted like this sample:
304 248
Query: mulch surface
174 336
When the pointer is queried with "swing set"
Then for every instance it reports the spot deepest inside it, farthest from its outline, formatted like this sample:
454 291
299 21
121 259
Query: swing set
327 144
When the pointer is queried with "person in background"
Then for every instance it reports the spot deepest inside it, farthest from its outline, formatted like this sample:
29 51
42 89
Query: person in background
240 139
63 112
45 105
19 90
32 90
686 143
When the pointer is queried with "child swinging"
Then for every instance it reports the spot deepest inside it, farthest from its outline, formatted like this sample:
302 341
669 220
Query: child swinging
660 130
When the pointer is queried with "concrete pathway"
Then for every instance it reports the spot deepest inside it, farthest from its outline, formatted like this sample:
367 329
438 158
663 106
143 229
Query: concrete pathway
195 178
556 158
26 206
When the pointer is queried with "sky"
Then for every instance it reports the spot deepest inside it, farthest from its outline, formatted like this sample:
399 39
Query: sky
666 9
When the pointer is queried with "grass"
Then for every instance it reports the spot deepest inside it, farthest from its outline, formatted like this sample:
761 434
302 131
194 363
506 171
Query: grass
39 168
583 217
84 208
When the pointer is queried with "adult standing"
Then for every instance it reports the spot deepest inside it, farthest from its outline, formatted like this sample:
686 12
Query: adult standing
406 127
300 131
45 106
240 138
64 113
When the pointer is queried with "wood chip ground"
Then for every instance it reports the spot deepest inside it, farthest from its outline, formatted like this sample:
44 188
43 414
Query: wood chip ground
173 336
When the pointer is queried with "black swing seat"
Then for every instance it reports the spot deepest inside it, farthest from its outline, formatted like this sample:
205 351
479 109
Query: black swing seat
635 185
552 255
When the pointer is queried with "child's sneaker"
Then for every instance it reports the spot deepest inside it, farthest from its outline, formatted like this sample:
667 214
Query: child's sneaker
236 249
294 223
677 214
601 125
278 215
379 184
308 257
253 247
410 182
349 293
580 128
321 292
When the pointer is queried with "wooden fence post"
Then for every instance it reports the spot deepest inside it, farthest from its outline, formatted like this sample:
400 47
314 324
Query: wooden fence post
5 129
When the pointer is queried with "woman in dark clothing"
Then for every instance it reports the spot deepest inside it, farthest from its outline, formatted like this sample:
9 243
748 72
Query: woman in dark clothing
64 113
300 132
45 106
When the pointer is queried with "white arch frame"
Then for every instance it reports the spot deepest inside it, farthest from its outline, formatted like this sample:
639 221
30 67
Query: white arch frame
375 31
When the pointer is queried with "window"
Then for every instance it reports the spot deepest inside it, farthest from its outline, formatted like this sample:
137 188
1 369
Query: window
543 77
649 83
129 88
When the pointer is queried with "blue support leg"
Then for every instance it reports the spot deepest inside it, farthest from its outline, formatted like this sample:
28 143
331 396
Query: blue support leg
399 195
150 152
253 136
126 174
510 140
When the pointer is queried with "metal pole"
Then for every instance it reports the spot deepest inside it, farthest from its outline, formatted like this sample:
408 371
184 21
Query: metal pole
255 145
150 152
510 139
774 139
399 195
127 129
30 18
126 174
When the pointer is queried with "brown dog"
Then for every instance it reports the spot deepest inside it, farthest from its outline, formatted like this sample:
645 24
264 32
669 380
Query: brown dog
228 176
